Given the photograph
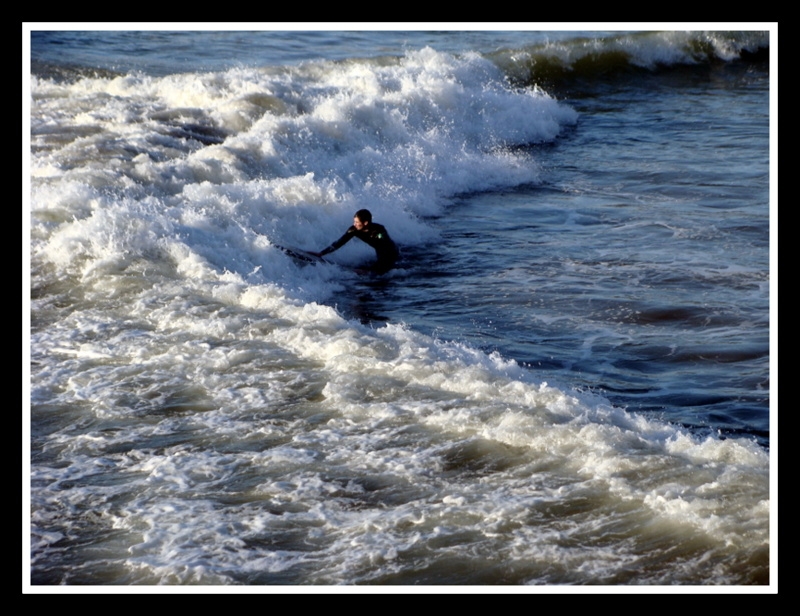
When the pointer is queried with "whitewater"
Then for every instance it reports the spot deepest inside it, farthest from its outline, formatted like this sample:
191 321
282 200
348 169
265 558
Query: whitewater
565 381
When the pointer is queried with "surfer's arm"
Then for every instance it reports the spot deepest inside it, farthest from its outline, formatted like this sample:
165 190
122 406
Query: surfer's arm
338 243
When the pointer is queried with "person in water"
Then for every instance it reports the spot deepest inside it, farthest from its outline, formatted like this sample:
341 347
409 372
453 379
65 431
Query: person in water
373 234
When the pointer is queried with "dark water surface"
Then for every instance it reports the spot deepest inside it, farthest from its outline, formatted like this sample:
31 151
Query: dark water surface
639 269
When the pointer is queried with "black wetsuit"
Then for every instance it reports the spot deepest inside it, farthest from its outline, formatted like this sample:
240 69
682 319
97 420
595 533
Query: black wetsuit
376 236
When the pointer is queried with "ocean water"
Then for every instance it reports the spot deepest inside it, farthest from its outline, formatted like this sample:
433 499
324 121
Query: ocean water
565 382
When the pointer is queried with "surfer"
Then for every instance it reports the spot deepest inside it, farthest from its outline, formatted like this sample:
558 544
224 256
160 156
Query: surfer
373 234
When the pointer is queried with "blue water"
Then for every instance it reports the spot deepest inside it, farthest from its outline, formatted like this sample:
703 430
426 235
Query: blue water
566 377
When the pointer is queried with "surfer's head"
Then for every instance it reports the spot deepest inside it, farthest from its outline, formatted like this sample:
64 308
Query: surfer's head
361 219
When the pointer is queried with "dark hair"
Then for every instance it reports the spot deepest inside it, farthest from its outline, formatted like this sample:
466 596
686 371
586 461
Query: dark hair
364 215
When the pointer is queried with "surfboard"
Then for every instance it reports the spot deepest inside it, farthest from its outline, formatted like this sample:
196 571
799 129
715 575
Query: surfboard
300 255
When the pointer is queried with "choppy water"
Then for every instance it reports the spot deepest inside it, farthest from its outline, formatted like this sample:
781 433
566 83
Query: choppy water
565 382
